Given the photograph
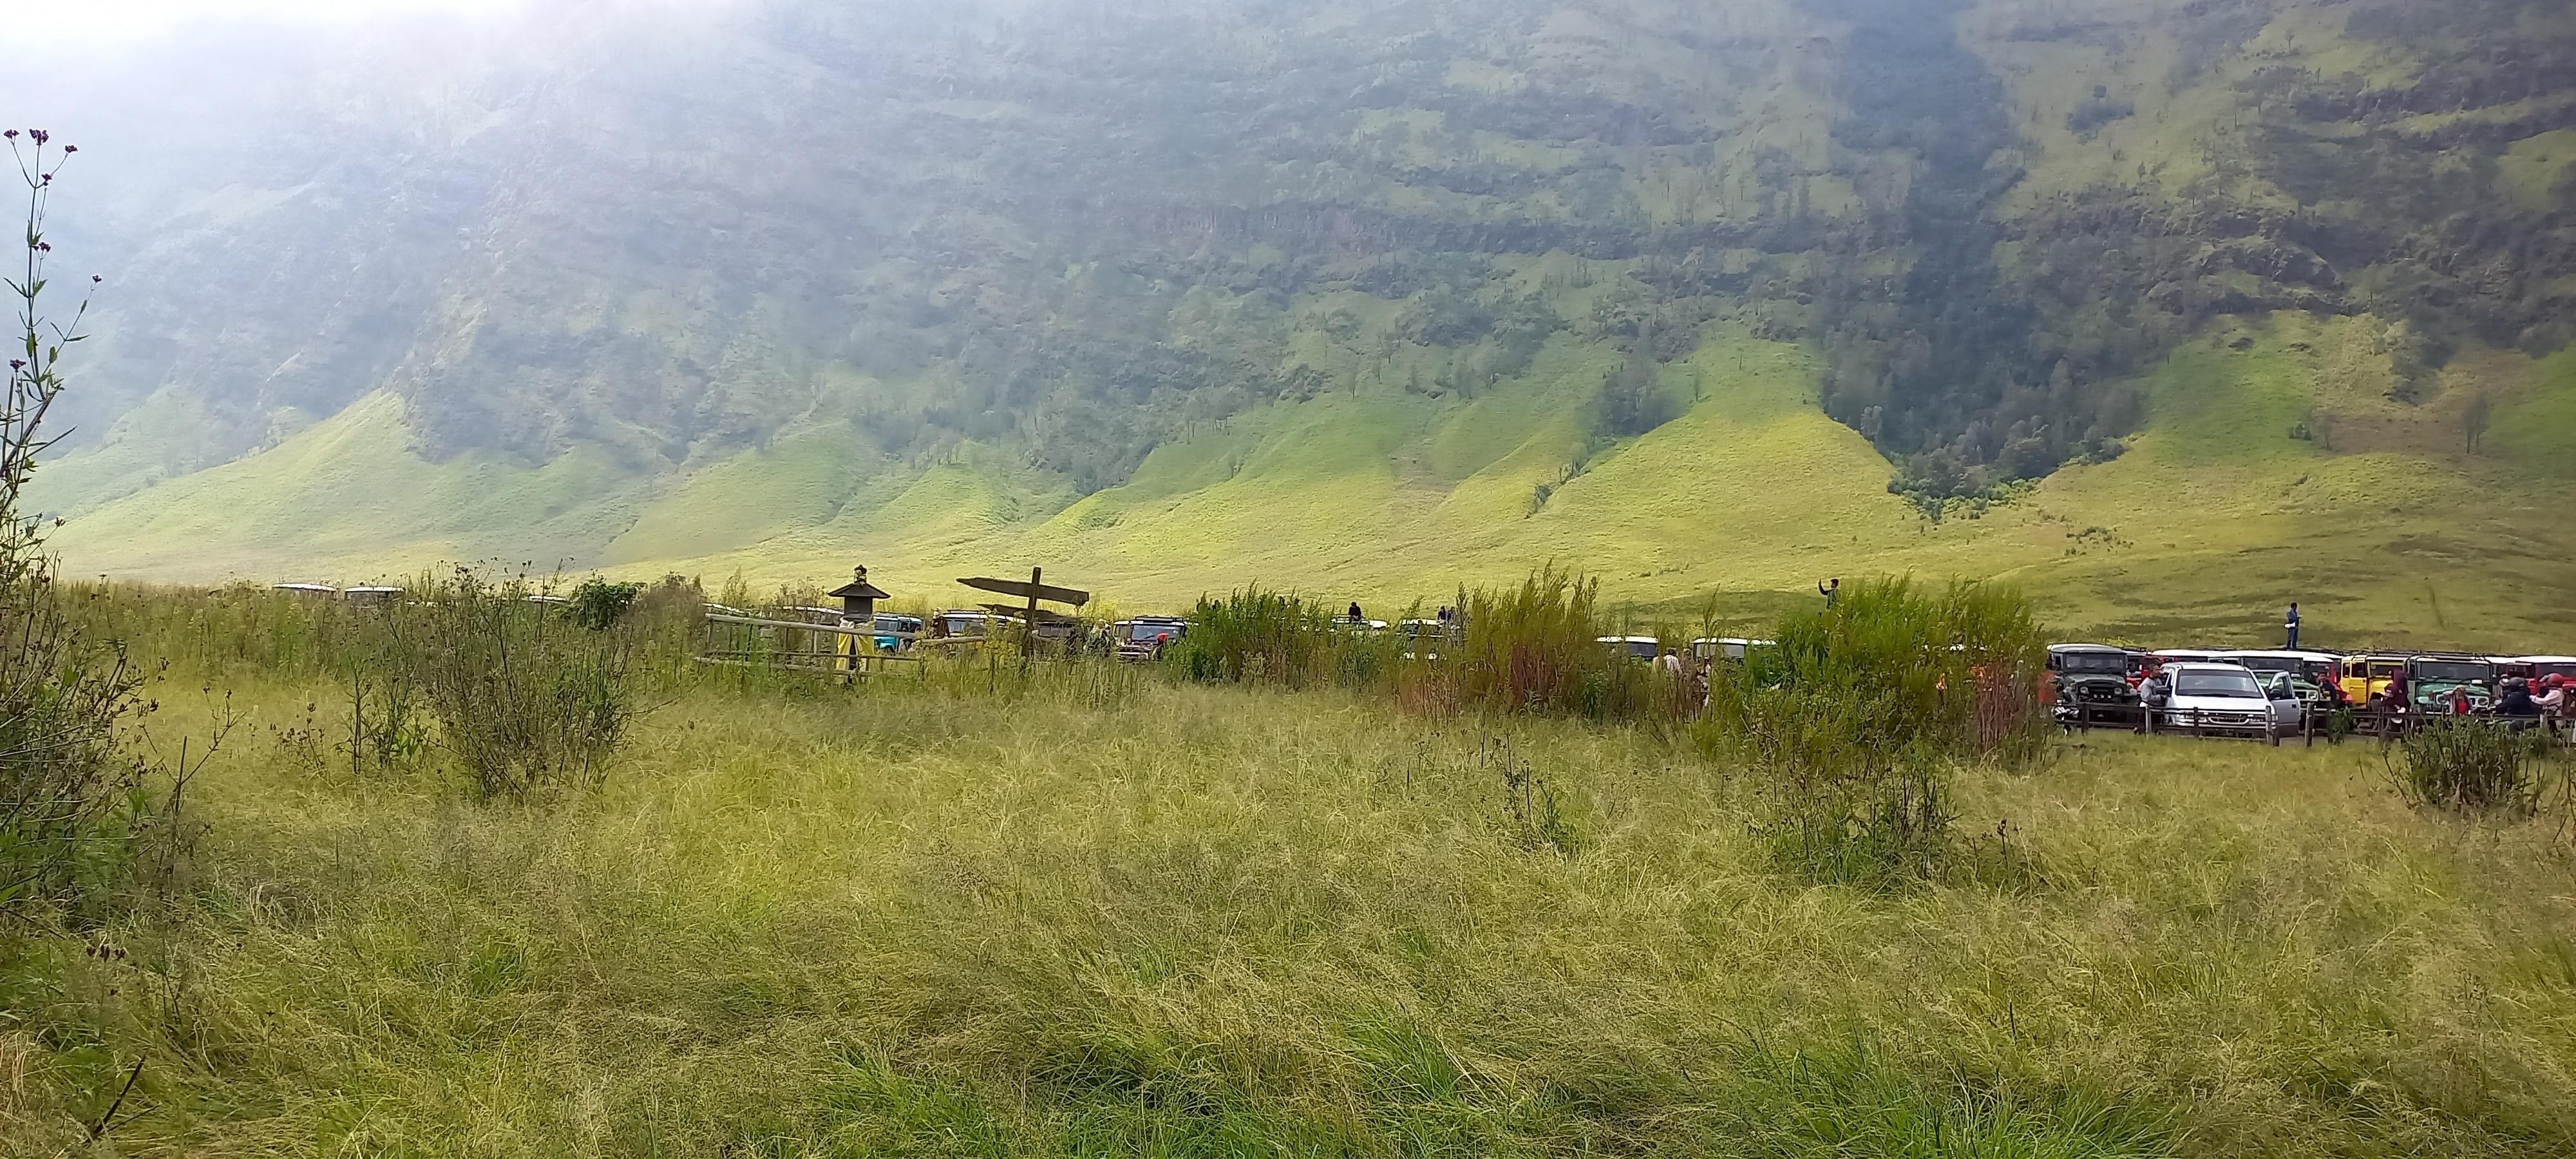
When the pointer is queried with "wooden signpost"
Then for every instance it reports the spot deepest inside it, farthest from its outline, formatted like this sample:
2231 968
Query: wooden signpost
1031 615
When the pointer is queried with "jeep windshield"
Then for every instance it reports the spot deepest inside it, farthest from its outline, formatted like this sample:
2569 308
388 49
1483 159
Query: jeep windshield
2223 684
1148 633
2093 663
2452 672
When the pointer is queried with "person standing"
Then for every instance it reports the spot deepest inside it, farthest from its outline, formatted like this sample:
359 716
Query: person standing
1830 589
2553 697
1356 616
2518 706
2293 626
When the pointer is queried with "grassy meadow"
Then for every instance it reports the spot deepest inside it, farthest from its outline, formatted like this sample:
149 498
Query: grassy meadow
1104 913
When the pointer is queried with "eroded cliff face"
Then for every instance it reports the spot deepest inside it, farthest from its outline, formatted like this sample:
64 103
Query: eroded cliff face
1073 232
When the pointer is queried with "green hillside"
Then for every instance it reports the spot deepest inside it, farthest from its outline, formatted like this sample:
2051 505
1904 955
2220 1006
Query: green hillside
2176 312
2228 505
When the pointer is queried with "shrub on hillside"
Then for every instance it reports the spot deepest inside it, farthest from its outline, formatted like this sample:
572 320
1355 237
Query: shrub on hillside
1860 711
525 700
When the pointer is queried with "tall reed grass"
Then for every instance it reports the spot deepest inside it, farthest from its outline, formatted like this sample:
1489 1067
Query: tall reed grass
1861 710
1536 649
1532 649
1221 921
1266 637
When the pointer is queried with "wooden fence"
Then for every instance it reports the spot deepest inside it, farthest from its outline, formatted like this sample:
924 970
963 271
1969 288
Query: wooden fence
2317 722
836 650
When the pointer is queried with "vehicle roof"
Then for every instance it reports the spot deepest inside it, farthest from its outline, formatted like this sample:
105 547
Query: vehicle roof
370 591
2203 653
2189 664
1629 640
2277 654
2534 659
2088 648
302 588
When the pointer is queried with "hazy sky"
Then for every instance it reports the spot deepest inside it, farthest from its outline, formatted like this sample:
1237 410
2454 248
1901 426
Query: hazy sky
115 19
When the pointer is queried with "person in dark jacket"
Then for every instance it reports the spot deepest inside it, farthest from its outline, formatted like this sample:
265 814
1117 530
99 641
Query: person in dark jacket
2517 704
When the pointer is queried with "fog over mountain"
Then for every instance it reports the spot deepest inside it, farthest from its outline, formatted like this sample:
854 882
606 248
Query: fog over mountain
1049 237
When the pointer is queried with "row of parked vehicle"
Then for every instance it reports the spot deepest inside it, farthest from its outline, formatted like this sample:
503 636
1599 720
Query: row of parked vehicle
1142 638
2247 690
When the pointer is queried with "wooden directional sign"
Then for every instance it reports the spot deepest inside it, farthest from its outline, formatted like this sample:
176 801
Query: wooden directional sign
1027 590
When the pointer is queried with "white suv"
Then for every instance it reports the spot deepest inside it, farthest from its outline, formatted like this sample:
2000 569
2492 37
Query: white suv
2222 698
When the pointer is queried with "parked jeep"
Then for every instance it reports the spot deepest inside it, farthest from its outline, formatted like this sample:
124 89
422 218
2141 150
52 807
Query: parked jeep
2091 678
1145 637
2433 678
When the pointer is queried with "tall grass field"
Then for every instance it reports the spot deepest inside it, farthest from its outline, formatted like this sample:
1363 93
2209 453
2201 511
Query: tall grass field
1110 910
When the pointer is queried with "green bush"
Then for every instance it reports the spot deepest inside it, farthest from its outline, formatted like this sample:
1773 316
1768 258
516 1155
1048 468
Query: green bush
379 671
1254 636
2467 766
525 700
75 813
1859 712
600 605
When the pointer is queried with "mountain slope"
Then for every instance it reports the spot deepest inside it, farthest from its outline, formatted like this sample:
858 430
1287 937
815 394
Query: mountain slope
2388 532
